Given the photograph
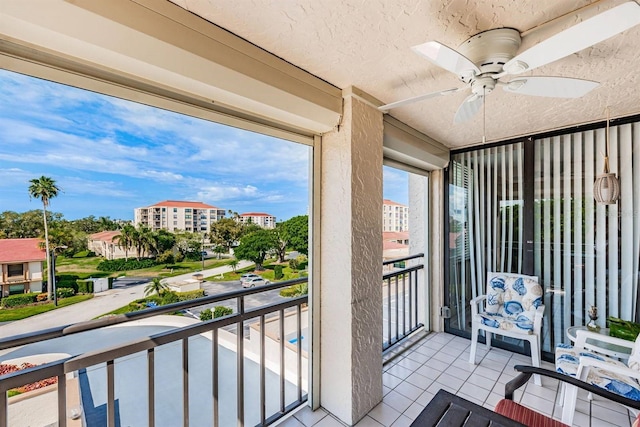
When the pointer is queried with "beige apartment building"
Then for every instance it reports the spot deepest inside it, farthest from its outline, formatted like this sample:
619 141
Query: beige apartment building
395 216
264 220
175 215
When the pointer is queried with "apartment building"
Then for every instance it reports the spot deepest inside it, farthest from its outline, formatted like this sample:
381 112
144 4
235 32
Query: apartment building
175 215
395 216
264 220
20 266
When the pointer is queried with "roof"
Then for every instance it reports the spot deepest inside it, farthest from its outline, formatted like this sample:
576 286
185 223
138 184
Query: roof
255 214
393 245
395 235
184 204
105 236
391 202
21 250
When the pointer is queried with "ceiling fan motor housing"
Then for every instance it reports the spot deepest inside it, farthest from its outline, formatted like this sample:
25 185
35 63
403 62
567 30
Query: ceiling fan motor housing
491 49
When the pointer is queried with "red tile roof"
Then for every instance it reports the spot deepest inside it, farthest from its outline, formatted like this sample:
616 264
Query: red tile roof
395 235
255 214
391 202
21 250
184 204
104 236
393 245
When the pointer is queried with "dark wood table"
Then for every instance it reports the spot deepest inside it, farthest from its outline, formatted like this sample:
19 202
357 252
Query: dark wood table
449 410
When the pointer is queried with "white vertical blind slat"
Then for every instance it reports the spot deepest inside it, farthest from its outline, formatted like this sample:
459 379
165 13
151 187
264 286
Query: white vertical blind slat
557 237
566 231
578 257
520 174
503 211
601 243
612 234
589 219
626 221
636 214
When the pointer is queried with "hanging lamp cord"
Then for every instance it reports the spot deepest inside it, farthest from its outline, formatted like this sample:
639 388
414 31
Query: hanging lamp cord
606 148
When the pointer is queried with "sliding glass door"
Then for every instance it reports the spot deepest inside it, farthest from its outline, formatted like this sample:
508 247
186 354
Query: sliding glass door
528 208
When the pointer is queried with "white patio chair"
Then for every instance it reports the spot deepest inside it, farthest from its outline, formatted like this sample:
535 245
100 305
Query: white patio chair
512 308
584 362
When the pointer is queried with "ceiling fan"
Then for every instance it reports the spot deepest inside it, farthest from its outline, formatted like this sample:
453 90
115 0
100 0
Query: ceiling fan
485 59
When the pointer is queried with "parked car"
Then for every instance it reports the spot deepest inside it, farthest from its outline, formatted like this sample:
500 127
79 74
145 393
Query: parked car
255 281
248 276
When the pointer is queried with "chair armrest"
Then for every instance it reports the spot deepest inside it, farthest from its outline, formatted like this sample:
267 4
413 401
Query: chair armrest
475 302
582 336
527 371
537 319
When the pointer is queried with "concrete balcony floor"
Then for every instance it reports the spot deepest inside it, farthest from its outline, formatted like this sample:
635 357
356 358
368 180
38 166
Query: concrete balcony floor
440 360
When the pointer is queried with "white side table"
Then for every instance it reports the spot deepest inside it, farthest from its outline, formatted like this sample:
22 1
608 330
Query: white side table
605 348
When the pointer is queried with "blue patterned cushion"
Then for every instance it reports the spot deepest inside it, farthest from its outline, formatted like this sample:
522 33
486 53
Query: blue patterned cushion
568 360
512 300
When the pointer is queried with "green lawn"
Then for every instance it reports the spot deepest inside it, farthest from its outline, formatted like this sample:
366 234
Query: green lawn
268 273
11 314
88 267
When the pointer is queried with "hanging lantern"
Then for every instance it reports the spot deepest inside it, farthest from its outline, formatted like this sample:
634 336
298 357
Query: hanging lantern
606 188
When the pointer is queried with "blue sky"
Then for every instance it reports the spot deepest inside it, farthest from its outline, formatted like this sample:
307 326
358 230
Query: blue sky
110 156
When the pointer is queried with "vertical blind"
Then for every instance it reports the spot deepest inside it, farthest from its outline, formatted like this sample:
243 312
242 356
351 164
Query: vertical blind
584 254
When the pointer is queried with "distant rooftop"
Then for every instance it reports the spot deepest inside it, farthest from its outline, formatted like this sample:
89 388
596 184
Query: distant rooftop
391 202
184 204
395 235
255 214
106 236
21 250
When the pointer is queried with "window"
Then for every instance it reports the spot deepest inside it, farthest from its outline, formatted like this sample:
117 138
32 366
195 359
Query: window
15 270
175 209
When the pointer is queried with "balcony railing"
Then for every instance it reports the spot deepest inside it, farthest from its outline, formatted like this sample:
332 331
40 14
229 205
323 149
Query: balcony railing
249 367
255 359
400 302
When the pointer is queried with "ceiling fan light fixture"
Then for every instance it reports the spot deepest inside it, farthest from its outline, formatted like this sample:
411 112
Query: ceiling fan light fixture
516 67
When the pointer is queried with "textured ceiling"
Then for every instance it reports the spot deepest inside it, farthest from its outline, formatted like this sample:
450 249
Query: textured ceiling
367 44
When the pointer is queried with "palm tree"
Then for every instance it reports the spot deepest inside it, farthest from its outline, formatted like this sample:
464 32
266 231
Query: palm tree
124 240
155 286
45 189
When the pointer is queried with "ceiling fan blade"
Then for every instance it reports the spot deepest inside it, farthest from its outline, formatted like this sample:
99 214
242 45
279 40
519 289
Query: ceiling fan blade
469 108
447 58
552 87
417 98
581 36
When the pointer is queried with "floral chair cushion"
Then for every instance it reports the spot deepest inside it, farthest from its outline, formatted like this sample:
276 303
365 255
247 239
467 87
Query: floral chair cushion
568 360
512 300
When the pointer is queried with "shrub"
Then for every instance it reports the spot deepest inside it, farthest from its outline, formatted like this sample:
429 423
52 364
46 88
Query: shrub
166 258
179 257
295 290
124 265
19 299
221 310
293 264
206 315
65 292
85 286
277 272
189 295
169 297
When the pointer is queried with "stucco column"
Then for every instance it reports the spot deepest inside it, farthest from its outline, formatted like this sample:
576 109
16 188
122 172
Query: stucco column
351 267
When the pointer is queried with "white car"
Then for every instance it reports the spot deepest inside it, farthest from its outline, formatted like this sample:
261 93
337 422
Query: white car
255 281
248 276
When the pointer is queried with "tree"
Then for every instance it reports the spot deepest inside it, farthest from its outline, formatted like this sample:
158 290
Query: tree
155 286
45 189
255 246
225 232
298 229
234 264
124 240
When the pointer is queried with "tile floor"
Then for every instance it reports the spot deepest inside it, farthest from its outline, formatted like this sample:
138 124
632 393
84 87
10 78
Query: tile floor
440 360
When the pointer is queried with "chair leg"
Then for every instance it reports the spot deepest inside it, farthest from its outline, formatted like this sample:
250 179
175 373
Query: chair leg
535 358
487 336
569 406
562 391
474 344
